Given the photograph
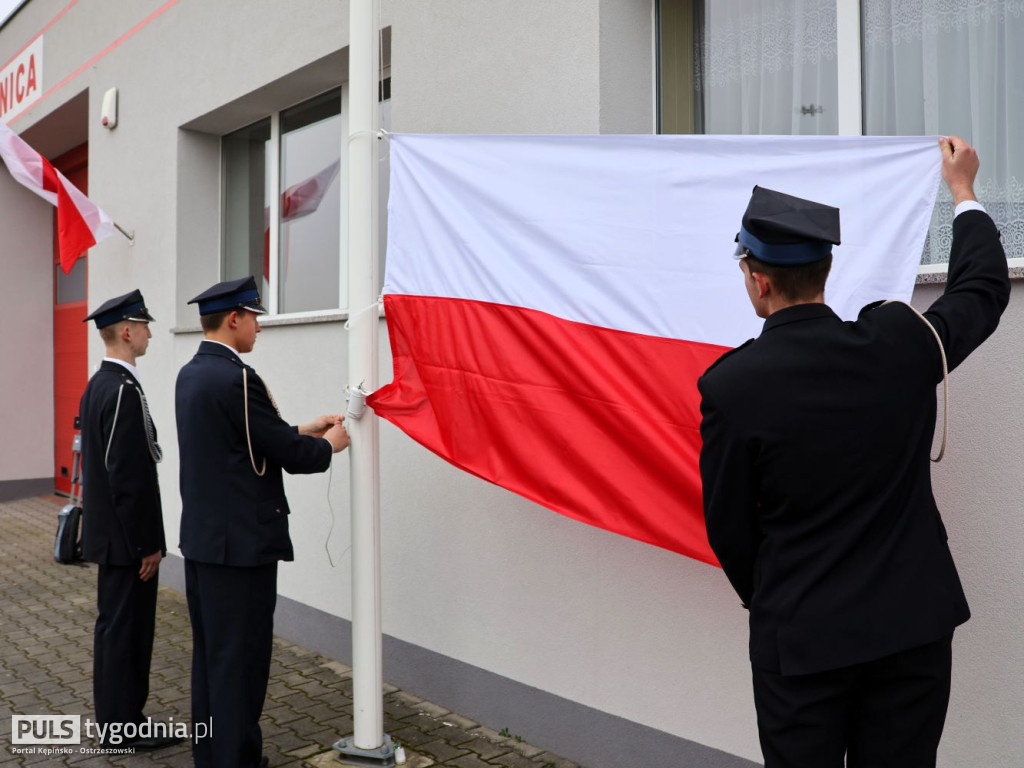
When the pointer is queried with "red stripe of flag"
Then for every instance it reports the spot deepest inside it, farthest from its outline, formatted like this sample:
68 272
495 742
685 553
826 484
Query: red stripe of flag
516 397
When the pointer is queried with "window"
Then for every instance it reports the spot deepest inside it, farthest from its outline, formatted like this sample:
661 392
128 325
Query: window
936 67
293 238
310 236
679 109
246 204
71 287
749 67
905 67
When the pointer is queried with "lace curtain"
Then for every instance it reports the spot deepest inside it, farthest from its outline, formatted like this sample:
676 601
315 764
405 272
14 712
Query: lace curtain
953 67
768 67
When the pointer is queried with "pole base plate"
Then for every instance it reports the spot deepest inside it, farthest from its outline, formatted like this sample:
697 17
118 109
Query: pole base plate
381 757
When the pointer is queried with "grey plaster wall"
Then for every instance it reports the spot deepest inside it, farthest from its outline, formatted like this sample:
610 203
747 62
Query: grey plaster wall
505 66
627 63
979 487
26 345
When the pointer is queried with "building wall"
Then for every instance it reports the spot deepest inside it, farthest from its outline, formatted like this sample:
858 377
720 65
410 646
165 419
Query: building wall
26 346
483 584
979 486
513 67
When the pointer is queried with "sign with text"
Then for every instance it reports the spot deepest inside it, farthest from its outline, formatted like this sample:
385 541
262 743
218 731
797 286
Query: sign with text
21 81
46 729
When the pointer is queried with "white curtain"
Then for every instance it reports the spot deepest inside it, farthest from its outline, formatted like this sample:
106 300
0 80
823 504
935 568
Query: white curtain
953 67
769 67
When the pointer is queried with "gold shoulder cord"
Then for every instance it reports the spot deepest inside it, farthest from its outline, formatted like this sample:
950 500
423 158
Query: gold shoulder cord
945 378
248 436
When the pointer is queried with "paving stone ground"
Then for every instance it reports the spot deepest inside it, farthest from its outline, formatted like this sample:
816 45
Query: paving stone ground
46 618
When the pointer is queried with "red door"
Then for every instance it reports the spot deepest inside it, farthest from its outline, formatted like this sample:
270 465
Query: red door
70 334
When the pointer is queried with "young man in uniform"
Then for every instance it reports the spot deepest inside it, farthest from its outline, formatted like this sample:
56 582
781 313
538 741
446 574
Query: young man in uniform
123 527
817 487
234 446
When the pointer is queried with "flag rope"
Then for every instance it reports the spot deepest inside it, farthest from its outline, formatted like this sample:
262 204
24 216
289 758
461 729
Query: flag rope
353 315
945 378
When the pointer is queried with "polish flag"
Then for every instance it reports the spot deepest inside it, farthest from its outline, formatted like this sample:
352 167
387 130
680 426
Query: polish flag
80 222
551 300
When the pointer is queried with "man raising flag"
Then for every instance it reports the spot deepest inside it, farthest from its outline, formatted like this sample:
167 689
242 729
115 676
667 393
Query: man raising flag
817 486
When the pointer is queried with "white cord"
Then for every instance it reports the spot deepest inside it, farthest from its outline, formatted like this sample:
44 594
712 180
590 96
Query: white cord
360 134
330 509
353 315
248 437
154 447
330 531
110 440
945 378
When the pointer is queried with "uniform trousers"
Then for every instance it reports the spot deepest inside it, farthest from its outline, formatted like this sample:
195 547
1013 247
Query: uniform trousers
122 643
232 613
885 713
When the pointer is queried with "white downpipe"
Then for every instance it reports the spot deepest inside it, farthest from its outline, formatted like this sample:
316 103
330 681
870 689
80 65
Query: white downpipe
362 366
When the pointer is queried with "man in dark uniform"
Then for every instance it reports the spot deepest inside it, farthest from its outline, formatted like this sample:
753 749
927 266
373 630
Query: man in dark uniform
123 527
817 487
234 521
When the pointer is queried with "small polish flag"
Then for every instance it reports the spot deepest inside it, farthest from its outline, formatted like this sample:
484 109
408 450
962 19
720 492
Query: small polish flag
552 300
80 222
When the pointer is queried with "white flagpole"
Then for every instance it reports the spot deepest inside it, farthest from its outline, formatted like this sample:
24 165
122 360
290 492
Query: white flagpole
368 746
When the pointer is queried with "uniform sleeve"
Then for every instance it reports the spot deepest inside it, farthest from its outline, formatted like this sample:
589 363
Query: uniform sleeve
730 507
279 442
133 486
977 290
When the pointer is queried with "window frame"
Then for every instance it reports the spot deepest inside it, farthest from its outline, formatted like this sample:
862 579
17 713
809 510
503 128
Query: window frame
851 116
272 299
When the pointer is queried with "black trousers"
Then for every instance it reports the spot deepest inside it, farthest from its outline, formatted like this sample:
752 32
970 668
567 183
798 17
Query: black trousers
886 713
122 643
232 612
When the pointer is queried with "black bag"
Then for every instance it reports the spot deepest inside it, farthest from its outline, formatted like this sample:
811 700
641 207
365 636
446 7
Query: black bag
67 548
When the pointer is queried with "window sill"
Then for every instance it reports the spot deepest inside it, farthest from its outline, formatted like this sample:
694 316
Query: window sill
940 277
300 318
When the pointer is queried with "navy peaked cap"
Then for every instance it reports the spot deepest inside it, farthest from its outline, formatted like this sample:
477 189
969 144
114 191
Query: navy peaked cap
131 306
787 231
231 294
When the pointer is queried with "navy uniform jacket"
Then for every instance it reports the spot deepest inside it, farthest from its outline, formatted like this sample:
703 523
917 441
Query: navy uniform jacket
122 520
230 515
815 465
